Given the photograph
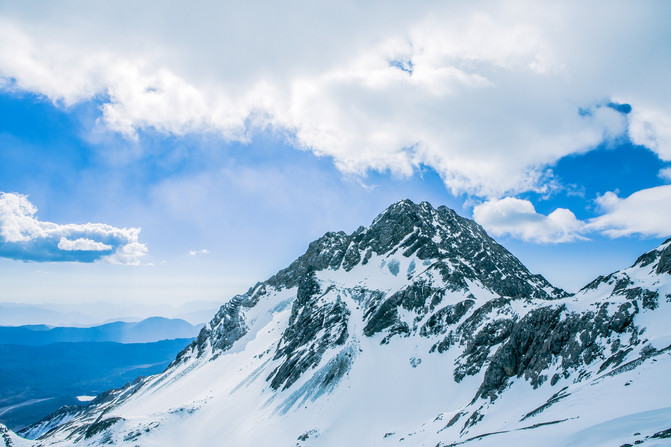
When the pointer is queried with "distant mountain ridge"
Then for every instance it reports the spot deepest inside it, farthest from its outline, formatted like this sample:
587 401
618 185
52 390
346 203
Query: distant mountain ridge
417 330
145 331
42 368
98 313
36 380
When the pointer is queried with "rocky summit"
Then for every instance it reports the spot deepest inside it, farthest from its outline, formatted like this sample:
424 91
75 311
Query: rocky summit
418 330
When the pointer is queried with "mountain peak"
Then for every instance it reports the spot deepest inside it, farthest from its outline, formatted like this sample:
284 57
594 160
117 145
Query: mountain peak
457 248
422 212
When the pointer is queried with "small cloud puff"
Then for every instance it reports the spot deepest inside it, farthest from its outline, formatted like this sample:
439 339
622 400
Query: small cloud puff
518 218
24 237
204 251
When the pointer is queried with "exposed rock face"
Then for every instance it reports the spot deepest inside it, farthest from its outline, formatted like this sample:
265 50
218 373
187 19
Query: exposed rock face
6 439
552 334
226 328
445 317
420 290
314 326
660 256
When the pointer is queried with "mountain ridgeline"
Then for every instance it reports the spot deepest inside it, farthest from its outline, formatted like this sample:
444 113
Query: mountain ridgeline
146 331
417 330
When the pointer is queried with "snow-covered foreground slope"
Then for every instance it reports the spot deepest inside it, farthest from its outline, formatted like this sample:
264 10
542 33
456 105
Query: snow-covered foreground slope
418 330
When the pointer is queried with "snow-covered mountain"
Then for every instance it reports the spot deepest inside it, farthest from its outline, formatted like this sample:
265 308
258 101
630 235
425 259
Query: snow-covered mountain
419 330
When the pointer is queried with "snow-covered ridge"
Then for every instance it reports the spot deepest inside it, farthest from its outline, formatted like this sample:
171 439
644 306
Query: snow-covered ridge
417 330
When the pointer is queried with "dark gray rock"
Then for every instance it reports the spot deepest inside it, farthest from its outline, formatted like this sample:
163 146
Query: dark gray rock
646 259
100 426
4 432
466 331
664 265
226 328
664 434
301 346
650 299
449 315
550 334
418 297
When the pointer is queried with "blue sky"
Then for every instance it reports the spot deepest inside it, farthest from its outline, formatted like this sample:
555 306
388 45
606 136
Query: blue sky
185 156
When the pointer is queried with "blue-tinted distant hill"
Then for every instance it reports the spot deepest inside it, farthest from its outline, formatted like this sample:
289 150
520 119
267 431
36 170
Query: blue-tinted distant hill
37 380
145 331
97 313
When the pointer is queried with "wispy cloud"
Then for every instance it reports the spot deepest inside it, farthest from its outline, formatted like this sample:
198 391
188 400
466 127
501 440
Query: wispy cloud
203 251
24 237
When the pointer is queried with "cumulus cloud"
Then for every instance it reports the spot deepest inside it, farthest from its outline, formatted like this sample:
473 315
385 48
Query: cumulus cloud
646 212
518 218
486 93
24 237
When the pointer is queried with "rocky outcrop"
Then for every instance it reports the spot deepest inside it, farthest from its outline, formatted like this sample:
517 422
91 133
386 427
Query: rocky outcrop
318 322
550 335
6 439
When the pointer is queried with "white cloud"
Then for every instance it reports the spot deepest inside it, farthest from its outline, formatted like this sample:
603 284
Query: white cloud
82 244
487 93
204 251
665 174
24 237
646 212
518 218
651 127
607 201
